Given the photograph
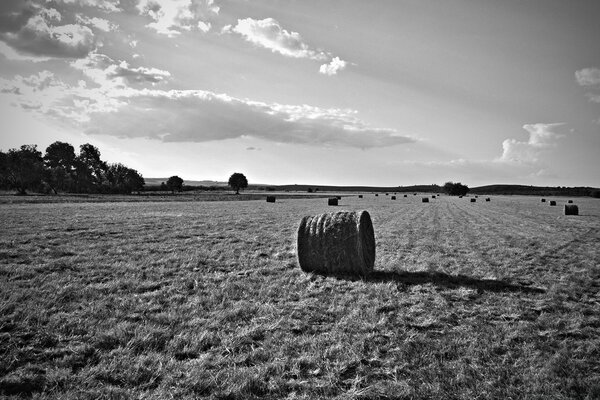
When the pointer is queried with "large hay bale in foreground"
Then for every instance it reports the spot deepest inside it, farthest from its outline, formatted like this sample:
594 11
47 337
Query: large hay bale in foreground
425 200
337 243
473 200
270 199
332 201
571 209
552 202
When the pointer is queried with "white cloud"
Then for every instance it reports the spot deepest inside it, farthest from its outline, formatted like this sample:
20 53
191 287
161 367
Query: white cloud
541 137
333 67
30 30
110 74
104 5
171 17
98 23
588 77
269 34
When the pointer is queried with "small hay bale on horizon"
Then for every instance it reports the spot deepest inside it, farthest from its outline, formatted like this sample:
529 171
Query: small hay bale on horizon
332 201
405 195
360 196
487 199
425 200
543 200
339 197
473 200
433 196
270 199
376 195
552 202
570 201
336 243
393 197
571 209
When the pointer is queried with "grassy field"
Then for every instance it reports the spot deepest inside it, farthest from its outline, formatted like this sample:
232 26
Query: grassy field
193 299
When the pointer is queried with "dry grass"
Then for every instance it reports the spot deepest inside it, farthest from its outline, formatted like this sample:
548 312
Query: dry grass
205 300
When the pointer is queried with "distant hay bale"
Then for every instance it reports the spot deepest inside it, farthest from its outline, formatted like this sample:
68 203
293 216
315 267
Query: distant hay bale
433 196
543 200
337 243
552 202
473 200
387 194
339 197
460 197
393 197
487 199
570 201
376 195
270 199
571 209
476 197
332 201
360 196
425 200
405 195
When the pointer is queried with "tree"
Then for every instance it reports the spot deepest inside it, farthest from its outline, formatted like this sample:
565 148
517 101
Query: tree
60 166
123 180
24 168
89 169
238 181
175 183
455 189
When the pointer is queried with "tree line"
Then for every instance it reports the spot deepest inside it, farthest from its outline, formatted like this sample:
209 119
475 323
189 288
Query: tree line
60 169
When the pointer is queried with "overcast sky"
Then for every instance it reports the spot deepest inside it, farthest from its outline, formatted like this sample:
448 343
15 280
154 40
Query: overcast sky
344 92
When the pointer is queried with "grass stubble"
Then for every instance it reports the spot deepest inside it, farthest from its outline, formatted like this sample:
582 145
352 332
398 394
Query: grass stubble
206 300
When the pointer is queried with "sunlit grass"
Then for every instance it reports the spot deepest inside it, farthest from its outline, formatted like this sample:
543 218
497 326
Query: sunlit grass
205 299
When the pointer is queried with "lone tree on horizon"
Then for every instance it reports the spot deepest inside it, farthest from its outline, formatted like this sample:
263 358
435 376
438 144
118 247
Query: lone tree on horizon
238 181
175 183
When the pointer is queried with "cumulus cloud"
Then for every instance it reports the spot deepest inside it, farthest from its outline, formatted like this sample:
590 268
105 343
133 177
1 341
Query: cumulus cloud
171 17
98 23
588 77
269 34
30 30
541 137
104 5
333 67
109 73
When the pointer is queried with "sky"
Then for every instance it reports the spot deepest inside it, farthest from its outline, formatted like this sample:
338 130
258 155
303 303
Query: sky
337 92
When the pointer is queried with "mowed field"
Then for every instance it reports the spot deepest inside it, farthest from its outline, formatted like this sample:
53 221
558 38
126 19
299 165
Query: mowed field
161 300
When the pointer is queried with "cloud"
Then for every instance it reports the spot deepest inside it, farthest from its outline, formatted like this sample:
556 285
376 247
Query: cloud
199 116
30 30
171 17
333 67
588 77
98 23
109 73
104 5
269 34
541 137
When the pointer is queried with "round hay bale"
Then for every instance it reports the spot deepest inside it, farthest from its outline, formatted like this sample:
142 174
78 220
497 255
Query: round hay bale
570 201
425 200
552 202
360 196
476 197
405 195
571 209
393 197
387 194
376 195
433 196
332 201
487 199
270 199
337 243
339 197
460 197
543 200
473 200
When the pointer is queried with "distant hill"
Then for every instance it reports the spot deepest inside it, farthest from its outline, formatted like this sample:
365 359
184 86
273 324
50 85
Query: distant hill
158 181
